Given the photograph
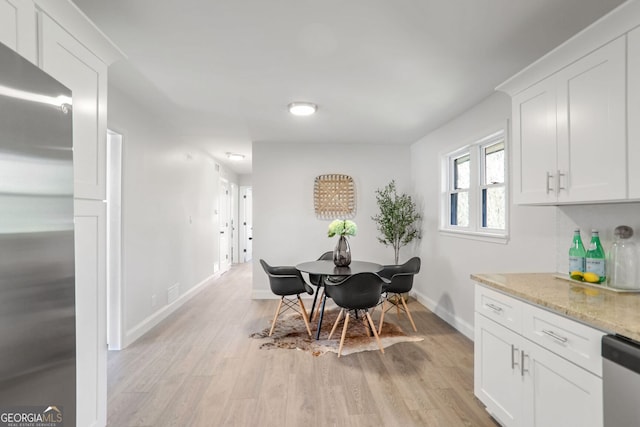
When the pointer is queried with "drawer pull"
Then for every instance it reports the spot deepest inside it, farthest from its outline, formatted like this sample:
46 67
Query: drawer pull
555 336
494 307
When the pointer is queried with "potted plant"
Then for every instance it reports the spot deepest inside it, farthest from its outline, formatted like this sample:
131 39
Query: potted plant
397 220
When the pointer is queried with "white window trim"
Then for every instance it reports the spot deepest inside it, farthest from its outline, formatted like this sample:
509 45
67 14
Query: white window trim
474 231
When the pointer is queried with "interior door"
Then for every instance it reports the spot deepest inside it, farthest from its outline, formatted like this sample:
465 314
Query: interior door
247 222
225 225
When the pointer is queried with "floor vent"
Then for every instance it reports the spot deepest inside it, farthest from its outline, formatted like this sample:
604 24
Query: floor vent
173 293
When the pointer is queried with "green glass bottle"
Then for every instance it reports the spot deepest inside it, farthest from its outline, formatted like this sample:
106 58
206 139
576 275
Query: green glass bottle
595 262
577 254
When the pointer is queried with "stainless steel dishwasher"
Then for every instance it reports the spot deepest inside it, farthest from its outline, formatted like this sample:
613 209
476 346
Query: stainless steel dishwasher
621 381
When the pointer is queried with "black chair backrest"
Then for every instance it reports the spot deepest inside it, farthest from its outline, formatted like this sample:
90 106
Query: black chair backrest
358 291
285 280
316 279
401 276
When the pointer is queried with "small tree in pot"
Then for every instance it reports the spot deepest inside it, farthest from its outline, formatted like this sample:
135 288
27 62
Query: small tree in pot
397 220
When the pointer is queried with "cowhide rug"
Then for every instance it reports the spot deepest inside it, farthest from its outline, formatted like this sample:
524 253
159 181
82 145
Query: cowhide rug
290 333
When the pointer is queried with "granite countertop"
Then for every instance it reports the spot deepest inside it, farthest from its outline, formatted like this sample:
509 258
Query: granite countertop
613 312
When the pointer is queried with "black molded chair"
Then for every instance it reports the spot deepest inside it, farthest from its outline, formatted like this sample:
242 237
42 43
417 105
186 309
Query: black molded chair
358 292
286 281
400 279
318 280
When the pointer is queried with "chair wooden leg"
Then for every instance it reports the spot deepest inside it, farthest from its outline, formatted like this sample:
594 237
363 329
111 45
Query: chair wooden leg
317 308
373 328
335 324
408 313
275 317
382 316
344 333
305 317
398 304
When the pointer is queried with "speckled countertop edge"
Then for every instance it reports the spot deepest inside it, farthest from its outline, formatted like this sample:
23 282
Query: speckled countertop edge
603 309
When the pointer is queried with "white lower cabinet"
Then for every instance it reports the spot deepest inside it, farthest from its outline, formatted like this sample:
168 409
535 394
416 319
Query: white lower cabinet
526 384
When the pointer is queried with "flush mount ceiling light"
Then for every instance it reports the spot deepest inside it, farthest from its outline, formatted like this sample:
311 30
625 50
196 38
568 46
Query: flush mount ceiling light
302 108
235 156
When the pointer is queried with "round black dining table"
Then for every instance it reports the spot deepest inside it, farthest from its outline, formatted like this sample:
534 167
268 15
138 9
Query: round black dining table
328 268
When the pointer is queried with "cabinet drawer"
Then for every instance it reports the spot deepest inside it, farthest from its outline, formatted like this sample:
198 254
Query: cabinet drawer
498 307
567 338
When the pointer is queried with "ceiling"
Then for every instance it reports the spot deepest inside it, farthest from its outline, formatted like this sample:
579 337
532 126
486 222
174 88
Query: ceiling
381 71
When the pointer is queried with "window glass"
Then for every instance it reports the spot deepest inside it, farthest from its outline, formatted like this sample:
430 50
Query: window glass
460 209
462 172
494 163
493 207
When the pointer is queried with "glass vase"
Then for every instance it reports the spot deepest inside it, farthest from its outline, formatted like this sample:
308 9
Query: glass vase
342 253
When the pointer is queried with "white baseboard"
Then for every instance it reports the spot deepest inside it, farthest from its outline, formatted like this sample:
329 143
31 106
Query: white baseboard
150 322
461 326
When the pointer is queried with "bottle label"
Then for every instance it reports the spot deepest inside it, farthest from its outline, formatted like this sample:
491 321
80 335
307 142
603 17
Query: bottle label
596 265
576 263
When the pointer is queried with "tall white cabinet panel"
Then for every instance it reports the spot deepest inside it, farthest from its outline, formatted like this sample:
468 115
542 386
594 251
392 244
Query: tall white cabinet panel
91 345
535 143
18 27
591 126
633 142
66 59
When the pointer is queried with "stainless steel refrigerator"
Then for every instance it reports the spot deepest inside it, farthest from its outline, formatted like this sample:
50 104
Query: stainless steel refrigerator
37 275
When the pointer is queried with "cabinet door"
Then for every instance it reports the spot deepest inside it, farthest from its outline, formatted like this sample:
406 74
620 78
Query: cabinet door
633 142
592 126
18 27
497 377
559 393
91 329
73 65
534 144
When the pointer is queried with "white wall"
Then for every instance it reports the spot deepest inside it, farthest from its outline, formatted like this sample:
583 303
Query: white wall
285 228
169 226
443 284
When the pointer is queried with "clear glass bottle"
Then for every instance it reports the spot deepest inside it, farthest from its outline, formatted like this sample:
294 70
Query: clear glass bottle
624 271
595 260
577 254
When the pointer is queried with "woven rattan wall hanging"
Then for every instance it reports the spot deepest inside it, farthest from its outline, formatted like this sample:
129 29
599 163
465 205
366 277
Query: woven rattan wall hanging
334 196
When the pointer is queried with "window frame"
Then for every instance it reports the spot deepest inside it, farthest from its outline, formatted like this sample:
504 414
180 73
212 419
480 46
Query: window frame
476 191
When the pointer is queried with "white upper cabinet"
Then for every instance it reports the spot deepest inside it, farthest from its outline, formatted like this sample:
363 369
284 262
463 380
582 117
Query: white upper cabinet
71 63
569 138
18 27
592 126
535 144
634 113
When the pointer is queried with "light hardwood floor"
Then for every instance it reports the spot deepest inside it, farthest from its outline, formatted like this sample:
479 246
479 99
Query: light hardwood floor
200 368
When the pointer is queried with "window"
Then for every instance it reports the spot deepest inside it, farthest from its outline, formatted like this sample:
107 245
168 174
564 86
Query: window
474 188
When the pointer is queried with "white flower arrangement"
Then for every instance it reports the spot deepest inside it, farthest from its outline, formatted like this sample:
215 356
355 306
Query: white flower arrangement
342 227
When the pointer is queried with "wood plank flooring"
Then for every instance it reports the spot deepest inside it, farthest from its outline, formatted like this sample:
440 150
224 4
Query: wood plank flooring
200 368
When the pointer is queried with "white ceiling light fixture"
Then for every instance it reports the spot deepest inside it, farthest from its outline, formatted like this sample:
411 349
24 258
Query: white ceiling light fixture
302 108
235 157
